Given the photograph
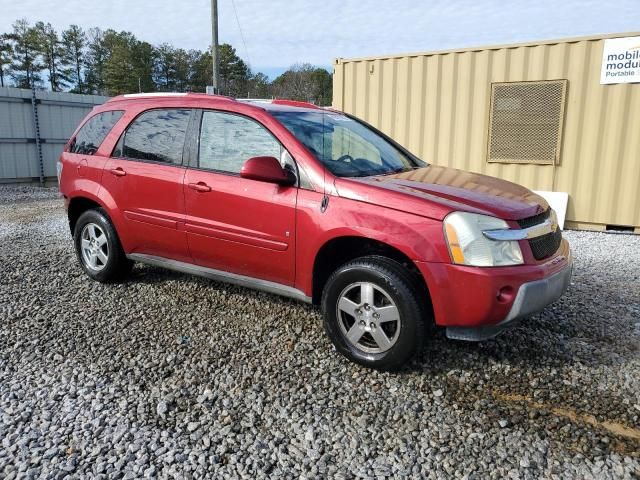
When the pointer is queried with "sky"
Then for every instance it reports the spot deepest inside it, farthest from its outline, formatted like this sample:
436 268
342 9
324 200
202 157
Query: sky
279 33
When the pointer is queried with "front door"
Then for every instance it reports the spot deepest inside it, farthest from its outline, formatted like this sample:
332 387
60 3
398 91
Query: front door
145 178
234 224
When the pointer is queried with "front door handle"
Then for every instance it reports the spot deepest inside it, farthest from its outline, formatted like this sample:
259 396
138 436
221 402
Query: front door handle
200 187
118 172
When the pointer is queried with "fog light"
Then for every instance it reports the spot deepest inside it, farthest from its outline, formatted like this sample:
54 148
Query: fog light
505 294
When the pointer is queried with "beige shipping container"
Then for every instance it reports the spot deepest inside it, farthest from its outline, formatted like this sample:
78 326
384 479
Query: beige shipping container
535 114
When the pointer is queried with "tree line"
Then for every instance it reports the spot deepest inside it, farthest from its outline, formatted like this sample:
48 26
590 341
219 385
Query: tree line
107 62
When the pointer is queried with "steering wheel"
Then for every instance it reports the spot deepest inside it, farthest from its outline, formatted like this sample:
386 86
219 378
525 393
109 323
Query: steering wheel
345 158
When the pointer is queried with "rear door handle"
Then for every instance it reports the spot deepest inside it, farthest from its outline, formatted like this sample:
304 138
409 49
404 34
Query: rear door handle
118 172
200 187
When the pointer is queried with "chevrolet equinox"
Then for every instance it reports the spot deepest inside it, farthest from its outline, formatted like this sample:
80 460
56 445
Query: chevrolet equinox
313 204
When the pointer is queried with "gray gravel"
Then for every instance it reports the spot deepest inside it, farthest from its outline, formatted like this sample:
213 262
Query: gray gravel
174 376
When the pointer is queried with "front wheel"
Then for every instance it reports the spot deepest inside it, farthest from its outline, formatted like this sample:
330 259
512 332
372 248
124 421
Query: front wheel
373 312
98 247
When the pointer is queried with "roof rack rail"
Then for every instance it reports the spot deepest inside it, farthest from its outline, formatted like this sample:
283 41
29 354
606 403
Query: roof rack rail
294 103
279 101
160 95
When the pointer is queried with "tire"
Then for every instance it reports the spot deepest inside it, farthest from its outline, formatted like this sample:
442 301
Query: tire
98 247
356 331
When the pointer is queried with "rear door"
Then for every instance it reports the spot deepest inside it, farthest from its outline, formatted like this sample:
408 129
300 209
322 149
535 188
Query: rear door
235 224
145 178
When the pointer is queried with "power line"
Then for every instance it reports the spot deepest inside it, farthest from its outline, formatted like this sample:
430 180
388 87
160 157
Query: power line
235 11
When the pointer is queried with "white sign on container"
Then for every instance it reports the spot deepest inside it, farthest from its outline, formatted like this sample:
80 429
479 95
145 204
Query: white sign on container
620 60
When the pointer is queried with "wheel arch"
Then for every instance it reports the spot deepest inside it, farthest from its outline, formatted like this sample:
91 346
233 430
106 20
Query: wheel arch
78 205
340 250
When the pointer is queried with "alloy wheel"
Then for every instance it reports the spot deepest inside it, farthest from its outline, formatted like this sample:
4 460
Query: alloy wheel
368 317
94 247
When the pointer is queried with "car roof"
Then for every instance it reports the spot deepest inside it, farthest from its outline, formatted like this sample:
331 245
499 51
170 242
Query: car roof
264 104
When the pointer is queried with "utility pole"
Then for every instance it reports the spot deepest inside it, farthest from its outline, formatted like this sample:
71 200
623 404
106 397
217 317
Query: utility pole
214 44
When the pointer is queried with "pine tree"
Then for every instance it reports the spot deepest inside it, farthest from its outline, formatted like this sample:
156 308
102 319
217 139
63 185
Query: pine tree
26 63
165 68
128 65
234 73
52 53
118 73
259 86
182 69
110 63
143 57
95 57
74 41
200 69
6 52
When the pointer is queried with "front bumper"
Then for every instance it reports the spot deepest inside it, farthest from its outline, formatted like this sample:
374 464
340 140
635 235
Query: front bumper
477 303
532 297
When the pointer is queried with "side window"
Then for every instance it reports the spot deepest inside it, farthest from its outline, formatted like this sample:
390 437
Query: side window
94 131
228 140
156 135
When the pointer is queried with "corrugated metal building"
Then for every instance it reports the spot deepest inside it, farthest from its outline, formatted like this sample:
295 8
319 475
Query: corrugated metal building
33 130
535 114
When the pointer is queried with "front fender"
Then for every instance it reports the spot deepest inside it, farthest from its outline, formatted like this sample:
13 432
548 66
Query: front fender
417 237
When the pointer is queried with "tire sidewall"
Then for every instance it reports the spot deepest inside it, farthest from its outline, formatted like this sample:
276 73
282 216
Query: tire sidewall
405 301
115 251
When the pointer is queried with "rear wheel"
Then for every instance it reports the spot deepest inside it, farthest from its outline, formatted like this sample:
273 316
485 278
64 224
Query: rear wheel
373 312
98 247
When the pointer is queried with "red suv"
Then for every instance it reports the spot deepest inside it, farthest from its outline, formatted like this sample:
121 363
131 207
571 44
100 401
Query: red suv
312 204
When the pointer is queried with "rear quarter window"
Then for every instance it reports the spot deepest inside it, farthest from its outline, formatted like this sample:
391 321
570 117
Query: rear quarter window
94 131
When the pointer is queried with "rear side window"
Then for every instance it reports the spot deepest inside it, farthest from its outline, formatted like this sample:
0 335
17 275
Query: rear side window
156 135
94 131
228 140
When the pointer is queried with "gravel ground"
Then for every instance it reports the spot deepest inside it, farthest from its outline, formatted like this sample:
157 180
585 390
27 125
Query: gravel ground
174 376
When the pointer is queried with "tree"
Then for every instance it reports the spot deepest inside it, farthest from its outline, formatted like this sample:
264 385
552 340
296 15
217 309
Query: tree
165 68
323 86
52 52
200 74
6 52
95 58
143 58
74 40
234 73
172 68
306 83
128 64
182 68
119 74
259 86
110 62
26 64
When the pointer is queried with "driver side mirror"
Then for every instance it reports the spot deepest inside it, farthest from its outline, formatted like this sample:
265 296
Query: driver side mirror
267 169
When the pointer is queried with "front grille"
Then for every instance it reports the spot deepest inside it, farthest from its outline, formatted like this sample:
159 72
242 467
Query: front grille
546 245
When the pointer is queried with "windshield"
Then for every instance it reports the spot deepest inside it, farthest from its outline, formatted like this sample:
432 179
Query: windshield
345 146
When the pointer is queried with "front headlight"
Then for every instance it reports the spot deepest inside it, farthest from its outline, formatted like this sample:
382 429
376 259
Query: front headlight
468 245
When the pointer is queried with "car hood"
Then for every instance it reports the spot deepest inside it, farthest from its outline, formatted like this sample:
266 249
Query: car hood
451 189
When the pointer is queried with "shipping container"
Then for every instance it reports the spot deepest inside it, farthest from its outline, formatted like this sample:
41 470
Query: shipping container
536 114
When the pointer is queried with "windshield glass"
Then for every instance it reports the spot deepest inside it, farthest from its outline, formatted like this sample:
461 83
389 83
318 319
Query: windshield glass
345 146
